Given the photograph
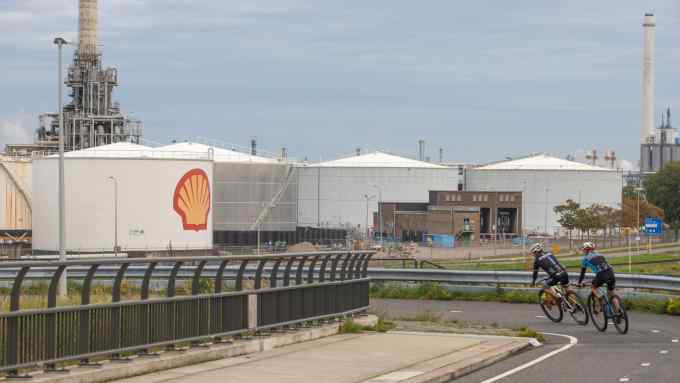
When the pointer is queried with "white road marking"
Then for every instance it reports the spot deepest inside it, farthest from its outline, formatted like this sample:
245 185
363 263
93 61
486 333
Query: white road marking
456 311
624 379
675 340
646 364
655 331
572 342
540 316
663 352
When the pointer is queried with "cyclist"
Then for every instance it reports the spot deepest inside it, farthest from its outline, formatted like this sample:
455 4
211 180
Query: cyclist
548 263
604 273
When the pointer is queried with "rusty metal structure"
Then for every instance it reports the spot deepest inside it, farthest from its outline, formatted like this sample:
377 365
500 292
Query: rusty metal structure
92 117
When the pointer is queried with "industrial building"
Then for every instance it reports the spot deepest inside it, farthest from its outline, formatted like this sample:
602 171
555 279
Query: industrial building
92 117
546 182
251 193
345 193
467 215
132 196
659 145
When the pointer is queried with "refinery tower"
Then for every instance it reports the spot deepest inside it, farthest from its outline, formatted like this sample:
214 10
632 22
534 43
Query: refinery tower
92 117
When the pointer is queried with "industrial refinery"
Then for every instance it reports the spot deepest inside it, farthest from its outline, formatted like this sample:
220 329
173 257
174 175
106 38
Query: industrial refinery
195 196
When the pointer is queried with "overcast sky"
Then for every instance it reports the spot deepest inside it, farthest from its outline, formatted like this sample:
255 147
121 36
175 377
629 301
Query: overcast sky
482 79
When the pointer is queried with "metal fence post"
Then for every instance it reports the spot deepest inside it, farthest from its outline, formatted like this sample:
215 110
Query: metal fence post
13 322
51 321
84 345
116 311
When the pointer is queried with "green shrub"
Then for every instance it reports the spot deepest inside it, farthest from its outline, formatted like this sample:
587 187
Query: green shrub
673 306
350 327
645 304
381 326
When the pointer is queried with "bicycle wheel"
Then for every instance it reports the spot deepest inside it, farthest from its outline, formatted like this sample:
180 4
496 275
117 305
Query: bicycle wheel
578 312
596 312
552 310
620 317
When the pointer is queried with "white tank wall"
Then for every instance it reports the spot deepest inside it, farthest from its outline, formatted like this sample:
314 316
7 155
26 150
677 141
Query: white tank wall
15 190
146 217
329 196
586 187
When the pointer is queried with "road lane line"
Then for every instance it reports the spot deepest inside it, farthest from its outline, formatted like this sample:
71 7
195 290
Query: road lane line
675 340
663 352
646 364
572 342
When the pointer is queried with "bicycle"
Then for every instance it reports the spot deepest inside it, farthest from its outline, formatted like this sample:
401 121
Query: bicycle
573 305
607 309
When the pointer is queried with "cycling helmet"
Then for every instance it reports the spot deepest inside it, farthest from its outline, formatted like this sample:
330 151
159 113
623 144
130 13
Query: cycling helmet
536 248
588 246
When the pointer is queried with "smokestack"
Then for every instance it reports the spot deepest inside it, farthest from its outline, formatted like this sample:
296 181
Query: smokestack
253 146
87 21
358 151
421 150
284 153
441 155
648 80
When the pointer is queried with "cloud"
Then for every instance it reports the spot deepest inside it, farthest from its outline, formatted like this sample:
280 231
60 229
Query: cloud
17 129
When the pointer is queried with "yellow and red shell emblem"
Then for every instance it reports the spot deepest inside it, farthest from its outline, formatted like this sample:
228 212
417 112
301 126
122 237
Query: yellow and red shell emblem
192 200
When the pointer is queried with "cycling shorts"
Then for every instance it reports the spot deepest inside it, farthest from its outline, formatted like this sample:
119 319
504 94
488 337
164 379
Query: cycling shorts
605 277
561 278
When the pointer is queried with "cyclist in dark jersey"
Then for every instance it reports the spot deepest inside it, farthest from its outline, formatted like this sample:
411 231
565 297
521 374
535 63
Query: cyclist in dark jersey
597 263
547 262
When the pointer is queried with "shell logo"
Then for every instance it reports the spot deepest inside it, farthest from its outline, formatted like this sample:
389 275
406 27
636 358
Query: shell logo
191 200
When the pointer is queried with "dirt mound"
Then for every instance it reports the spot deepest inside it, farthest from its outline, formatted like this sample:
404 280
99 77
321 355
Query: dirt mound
303 247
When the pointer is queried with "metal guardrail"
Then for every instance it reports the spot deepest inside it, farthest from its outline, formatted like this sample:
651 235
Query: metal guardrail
635 281
295 288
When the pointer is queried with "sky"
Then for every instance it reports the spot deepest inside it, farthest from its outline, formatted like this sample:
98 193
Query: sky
483 80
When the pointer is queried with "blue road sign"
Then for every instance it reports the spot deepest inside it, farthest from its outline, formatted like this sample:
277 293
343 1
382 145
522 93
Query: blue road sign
653 226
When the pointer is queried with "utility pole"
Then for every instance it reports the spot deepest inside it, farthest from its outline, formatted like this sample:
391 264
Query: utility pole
63 291
545 224
380 218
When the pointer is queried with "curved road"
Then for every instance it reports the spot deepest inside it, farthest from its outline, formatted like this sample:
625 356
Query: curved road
650 352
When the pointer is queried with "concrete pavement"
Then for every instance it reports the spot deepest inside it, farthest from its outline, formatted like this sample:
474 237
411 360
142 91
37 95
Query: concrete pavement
650 352
367 357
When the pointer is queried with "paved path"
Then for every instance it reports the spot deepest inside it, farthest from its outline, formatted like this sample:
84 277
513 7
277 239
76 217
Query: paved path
369 357
598 357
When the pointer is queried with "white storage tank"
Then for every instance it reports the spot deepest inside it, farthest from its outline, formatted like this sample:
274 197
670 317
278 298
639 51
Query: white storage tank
546 182
164 200
335 193
15 193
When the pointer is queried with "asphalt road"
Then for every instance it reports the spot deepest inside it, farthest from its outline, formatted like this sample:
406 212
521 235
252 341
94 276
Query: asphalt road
650 352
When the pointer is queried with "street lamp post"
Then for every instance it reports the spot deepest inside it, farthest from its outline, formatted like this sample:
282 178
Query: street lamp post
380 218
545 223
60 42
524 231
367 198
637 230
115 214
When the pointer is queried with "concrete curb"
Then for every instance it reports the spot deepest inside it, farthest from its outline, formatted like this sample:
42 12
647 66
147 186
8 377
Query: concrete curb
110 371
456 364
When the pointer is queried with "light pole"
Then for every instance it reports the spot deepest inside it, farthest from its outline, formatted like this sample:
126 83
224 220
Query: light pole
637 219
60 42
547 191
115 215
524 231
380 218
367 198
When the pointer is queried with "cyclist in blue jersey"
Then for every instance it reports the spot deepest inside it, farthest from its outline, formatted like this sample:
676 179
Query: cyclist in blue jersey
548 263
604 273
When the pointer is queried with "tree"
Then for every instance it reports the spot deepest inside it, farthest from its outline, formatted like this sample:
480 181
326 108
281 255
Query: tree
663 190
568 216
629 214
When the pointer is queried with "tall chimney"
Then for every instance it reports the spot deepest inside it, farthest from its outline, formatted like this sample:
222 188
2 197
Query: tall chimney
87 21
421 150
648 80
253 146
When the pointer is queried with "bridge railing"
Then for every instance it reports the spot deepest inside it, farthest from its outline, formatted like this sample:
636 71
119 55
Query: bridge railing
267 292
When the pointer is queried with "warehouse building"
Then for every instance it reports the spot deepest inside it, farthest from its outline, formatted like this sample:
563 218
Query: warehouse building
123 194
345 193
464 215
546 182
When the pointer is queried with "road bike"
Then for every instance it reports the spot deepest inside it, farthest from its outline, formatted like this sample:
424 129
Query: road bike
554 308
601 309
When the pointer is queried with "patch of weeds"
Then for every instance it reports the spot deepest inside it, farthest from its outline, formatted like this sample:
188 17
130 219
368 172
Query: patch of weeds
381 326
525 332
673 306
425 316
351 327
